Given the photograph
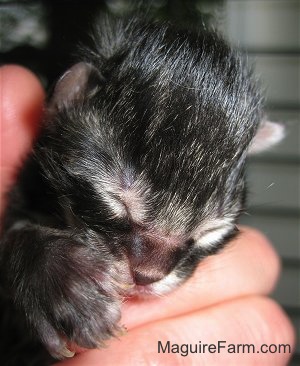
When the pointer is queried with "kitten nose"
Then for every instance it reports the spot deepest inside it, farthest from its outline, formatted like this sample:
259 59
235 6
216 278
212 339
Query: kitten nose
144 279
151 258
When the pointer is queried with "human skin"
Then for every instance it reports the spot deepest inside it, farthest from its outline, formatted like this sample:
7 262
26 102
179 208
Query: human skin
226 299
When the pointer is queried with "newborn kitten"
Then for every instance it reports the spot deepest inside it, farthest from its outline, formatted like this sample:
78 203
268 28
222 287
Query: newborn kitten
137 175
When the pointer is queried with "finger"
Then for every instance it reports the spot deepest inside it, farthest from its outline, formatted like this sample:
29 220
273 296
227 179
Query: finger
21 109
248 266
248 320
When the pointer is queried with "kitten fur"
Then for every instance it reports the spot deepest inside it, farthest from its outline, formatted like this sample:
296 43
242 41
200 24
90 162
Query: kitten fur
138 174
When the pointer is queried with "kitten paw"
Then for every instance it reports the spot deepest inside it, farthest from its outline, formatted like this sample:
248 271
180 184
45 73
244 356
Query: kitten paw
70 289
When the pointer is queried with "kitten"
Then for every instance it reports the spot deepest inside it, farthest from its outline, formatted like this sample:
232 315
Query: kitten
138 174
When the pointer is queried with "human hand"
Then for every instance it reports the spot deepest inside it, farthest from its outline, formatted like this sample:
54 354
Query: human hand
21 104
225 300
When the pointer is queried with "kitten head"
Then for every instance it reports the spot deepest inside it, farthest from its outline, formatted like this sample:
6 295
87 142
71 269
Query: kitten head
146 142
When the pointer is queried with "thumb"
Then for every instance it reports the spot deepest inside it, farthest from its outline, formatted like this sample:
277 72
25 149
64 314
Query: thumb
21 104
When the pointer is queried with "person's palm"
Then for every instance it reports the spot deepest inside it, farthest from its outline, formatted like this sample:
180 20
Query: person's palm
225 300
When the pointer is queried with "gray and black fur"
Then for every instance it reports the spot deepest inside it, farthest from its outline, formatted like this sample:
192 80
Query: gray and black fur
137 175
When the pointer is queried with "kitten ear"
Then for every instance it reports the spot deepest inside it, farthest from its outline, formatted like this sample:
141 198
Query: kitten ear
268 134
75 84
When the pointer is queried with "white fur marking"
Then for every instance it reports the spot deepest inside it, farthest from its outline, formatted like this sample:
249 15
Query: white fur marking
123 201
134 203
207 235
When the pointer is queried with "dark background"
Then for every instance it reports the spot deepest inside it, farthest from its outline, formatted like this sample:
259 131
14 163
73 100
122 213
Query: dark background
62 23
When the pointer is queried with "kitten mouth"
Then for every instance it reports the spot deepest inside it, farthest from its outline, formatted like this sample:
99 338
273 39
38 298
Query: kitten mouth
155 289
137 286
134 290
141 291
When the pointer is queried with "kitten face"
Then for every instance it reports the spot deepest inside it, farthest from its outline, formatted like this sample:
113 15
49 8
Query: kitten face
160 244
157 214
